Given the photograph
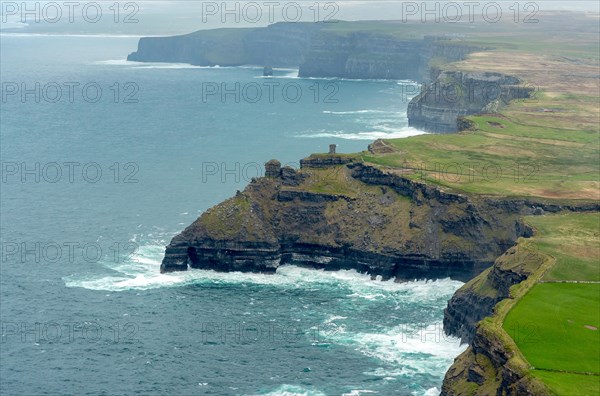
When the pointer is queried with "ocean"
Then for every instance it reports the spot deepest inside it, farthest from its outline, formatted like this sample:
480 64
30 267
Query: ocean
104 161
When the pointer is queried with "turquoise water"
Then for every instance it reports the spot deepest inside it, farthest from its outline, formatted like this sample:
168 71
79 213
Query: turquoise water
84 309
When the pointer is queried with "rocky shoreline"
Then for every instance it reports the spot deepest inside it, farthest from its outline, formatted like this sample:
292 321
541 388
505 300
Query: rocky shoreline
378 222
338 212
279 220
385 224
322 53
492 364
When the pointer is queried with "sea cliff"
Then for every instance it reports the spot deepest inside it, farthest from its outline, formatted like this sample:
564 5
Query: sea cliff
345 211
322 52
315 48
454 94
492 364
339 212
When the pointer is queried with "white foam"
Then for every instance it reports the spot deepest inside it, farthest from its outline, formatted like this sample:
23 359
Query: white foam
142 271
13 24
117 62
151 65
404 350
175 66
294 390
292 74
358 392
73 35
357 112
369 135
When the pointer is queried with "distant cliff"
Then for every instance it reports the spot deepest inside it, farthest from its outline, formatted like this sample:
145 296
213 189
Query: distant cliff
455 93
362 55
318 50
278 45
315 48
366 55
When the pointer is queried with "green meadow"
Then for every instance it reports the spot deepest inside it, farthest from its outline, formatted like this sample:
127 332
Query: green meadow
556 324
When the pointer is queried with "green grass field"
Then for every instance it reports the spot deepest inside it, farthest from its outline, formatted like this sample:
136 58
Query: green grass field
549 326
503 157
575 243
556 325
569 384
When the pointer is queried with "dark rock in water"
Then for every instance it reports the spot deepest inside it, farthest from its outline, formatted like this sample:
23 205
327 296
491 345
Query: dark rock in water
268 71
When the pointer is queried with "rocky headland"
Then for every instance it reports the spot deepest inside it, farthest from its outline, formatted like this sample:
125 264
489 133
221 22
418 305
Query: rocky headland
319 51
454 94
343 211
338 212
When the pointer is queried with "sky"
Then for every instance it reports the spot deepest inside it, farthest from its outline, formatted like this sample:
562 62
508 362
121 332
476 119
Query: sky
159 17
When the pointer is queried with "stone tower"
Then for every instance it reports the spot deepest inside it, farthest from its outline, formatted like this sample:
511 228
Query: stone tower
273 168
332 148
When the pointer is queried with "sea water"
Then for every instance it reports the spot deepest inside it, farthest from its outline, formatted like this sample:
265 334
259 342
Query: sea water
93 188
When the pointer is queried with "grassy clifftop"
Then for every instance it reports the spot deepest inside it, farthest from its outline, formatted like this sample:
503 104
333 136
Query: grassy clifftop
545 146
556 324
544 337
405 196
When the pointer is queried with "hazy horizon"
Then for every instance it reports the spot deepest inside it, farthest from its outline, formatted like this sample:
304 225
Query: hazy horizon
159 17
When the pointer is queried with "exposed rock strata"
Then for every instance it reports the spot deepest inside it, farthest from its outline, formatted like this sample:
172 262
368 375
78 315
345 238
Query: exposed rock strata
490 366
278 45
322 52
454 94
316 50
339 213
371 220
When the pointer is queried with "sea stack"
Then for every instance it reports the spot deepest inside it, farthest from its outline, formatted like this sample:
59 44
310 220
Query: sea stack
268 71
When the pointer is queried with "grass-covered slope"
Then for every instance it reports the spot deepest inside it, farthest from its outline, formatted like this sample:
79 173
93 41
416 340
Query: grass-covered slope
517 157
556 324
545 146
543 338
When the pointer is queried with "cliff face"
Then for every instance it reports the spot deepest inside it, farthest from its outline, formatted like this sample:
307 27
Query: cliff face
196 49
321 52
278 45
455 94
492 365
340 213
333 215
476 299
364 56
315 49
